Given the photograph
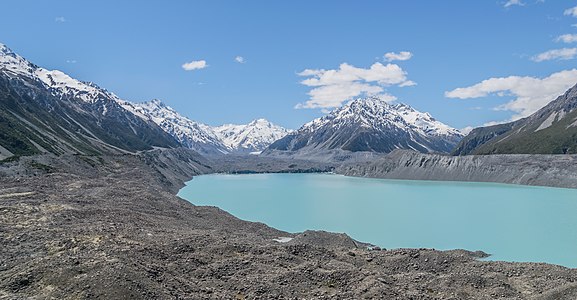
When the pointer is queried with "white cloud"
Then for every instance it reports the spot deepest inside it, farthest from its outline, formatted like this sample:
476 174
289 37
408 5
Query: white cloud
567 38
60 19
239 59
529 93
497 122
71 61
333 87
194 65
571 11
556 54
466 130
514 2
403 55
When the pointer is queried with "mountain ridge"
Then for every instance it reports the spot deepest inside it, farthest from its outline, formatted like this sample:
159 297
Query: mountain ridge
48 111
550 130
189 133
225 139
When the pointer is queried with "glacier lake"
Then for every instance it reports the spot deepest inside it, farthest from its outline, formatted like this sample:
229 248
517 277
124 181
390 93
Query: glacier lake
510 222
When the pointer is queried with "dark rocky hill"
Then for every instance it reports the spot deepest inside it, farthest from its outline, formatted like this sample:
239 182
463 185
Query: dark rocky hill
551 130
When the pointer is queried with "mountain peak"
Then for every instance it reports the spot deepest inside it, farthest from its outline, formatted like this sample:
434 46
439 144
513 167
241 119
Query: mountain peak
252 137
15 63
373 124
7 56
260 122
4 50
366 109
371 101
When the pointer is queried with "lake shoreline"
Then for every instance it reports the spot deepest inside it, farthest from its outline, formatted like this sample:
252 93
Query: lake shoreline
521 169
392 179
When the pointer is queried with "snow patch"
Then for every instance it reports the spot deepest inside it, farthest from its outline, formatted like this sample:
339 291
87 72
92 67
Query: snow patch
548 122
574 124
283 239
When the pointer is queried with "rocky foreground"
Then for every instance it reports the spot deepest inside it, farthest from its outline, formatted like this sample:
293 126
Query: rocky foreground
111 228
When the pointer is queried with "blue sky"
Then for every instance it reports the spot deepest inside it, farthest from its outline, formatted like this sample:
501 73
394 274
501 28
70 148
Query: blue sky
460 57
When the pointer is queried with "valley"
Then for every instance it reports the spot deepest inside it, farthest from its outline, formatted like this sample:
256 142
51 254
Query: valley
89 208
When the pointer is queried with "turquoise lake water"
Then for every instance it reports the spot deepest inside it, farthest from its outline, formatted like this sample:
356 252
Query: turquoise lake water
513 223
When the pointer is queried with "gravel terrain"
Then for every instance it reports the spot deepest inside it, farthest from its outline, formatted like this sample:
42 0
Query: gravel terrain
84 227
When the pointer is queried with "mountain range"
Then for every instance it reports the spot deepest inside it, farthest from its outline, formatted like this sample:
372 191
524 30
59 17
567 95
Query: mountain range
229 138
48 111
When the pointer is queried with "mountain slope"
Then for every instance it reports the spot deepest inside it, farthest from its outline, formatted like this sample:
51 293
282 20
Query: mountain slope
190 134
47 111
252 137
372 125
551 130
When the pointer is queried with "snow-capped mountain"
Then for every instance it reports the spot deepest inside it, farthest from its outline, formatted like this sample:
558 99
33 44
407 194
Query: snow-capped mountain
190 134
61 84
371 124
136 125
48 111
230 138
252 137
